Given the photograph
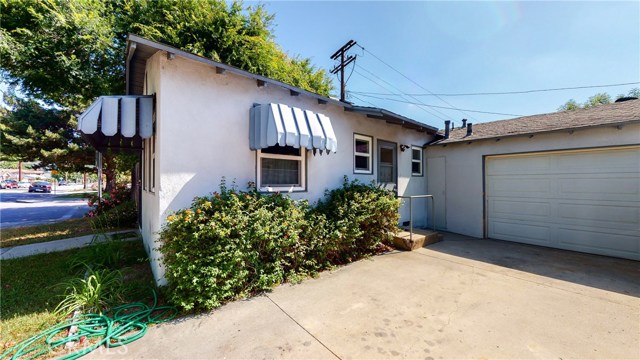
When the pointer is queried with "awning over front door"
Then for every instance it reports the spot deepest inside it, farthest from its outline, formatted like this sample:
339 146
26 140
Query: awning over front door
278 124
118 122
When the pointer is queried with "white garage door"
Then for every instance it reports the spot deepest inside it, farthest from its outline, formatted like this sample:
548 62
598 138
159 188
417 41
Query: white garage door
577 200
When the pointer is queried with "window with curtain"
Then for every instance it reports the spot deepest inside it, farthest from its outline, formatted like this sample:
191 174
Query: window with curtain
281 168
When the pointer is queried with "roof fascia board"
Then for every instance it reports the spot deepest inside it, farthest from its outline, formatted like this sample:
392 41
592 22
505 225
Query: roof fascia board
231 69
380 113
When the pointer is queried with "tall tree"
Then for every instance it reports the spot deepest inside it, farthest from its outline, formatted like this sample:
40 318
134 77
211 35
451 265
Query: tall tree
65 53
30 131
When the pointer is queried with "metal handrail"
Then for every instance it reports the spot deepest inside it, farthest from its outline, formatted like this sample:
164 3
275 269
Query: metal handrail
433 215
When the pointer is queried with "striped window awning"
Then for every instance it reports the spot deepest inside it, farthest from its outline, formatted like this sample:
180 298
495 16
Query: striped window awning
278 124
118 122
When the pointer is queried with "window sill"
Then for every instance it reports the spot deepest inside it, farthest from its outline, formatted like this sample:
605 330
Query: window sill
270 189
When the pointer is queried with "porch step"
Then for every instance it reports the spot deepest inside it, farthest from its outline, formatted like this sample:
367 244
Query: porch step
421 237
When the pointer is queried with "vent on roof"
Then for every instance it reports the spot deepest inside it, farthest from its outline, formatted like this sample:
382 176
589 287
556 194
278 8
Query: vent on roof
464 123
626 98
446 128
469 129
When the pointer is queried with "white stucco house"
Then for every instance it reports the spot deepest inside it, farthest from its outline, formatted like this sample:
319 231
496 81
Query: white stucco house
196 121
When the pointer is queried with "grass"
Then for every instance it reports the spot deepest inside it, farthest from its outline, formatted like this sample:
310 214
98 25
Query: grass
78 195
42 233
29 293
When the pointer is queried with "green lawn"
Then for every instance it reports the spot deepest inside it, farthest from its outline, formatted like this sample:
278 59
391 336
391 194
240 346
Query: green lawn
29 293
41 233
77 195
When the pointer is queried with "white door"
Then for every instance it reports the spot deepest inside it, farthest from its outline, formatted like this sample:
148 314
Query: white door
586 201
437 186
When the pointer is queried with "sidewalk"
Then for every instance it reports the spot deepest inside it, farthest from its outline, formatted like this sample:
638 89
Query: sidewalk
56 245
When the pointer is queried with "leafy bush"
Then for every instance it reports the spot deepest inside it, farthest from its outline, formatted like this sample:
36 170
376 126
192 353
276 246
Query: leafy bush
115 210
233 243
357 219
124 215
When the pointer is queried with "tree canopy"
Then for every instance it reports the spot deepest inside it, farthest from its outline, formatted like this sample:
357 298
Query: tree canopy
66 53
596 100
31 131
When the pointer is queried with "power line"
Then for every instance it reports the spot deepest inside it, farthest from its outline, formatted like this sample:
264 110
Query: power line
504 92
370 103
420 107
400 92
413 81
439 107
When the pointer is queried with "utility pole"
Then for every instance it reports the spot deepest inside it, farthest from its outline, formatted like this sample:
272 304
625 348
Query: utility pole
343 63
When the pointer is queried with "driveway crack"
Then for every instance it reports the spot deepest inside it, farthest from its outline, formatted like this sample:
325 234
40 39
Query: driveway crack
303 328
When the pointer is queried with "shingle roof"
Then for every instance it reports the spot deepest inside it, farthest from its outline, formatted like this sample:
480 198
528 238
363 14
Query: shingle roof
603 115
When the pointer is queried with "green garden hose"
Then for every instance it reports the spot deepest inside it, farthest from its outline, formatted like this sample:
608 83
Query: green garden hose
118 326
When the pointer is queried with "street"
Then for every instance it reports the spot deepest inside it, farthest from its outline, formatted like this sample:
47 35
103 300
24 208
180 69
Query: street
21 208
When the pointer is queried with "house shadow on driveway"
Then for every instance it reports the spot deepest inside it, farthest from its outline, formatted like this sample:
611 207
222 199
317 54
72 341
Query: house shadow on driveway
603 272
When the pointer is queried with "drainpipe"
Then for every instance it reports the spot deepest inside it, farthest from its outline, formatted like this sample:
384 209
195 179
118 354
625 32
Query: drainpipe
446 128
469 129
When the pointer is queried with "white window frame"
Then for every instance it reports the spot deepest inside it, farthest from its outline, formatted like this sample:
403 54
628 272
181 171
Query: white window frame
368 139
420 161
302 158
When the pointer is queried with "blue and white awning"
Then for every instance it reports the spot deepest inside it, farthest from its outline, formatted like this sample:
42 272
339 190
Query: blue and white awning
117 121
278 124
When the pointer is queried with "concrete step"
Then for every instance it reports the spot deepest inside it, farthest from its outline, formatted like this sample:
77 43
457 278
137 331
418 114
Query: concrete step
421 237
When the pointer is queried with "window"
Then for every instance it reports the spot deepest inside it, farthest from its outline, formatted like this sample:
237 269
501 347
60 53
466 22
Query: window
416 161
281 168
362 154
149 164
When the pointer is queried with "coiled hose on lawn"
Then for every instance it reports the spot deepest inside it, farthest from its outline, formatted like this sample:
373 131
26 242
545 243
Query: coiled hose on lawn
118 326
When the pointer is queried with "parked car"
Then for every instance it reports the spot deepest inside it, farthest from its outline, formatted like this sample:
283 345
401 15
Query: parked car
3 185
24 184
40 186
62 182
11 184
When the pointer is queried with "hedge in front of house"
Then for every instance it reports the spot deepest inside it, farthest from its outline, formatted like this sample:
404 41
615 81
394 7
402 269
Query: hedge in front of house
232 243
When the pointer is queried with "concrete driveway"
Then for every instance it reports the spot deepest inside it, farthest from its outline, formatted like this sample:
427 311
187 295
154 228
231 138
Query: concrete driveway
461 298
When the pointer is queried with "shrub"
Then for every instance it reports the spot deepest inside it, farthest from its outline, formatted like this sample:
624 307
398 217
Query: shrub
359 218
233 243
115 210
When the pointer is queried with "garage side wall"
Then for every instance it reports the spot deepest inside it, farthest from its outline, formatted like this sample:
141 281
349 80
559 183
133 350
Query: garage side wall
464 171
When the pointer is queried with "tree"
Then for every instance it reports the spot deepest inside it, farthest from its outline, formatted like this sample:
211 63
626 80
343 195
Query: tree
30 131
569 105
66 53
596 100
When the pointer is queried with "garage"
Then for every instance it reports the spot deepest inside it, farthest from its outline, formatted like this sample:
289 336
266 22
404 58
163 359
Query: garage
584 200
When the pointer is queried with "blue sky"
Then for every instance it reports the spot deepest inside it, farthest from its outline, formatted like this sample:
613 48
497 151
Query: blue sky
468 47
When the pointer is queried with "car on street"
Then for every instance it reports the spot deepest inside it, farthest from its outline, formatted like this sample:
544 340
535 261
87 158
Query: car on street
62 182
11 184
40 186
24 184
